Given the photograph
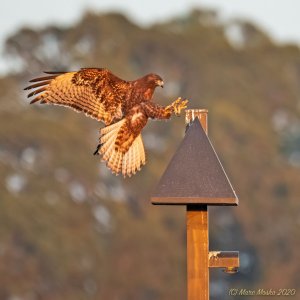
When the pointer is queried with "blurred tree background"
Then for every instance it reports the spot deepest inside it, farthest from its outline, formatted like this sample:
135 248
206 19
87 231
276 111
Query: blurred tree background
71 230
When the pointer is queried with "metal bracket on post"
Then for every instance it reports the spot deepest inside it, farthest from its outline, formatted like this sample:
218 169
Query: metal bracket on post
229 260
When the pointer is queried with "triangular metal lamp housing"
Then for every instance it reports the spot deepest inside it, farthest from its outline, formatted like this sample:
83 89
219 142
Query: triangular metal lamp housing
195 174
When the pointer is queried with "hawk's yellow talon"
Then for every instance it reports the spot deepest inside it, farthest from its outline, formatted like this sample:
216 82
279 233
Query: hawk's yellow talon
179 105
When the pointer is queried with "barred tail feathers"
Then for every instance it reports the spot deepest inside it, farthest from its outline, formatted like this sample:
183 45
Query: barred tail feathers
134 158
128 163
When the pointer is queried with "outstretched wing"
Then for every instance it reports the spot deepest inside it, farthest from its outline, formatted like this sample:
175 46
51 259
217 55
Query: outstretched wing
96 92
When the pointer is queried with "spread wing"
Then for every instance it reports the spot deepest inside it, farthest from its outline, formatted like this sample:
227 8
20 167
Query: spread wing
96 92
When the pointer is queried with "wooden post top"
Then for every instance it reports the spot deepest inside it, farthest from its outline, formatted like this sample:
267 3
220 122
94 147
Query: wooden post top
201 114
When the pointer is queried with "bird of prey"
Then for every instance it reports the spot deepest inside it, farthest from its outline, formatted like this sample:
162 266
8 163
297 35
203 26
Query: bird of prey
123 106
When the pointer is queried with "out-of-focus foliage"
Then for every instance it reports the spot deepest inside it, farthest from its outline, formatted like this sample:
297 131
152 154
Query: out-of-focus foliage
71 230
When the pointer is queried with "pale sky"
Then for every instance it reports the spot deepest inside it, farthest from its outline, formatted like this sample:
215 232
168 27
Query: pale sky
280 18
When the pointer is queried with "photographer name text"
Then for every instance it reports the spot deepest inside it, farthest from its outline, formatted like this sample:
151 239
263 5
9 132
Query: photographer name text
261 292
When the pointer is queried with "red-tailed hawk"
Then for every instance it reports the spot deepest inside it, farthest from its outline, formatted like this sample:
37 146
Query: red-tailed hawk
123 106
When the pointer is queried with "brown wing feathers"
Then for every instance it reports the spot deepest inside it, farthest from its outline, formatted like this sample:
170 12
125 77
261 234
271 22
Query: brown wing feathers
37 85
78 90
42 81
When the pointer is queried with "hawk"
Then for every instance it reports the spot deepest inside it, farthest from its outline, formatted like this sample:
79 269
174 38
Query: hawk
123 106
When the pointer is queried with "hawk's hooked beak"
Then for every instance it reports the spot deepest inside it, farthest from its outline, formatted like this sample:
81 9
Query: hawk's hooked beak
160 83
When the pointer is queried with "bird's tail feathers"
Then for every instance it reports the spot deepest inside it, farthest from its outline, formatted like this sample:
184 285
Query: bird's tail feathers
134 158
129 162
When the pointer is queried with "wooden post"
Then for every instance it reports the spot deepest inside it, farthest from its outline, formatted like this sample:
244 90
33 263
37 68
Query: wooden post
191 114
197 252
197 236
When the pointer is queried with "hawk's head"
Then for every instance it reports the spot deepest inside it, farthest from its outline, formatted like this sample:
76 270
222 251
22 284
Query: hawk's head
154 80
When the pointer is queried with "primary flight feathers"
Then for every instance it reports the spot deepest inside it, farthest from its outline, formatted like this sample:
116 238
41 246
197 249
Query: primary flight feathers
123 106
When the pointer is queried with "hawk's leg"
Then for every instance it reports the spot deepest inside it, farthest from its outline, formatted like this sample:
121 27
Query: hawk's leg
155 111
